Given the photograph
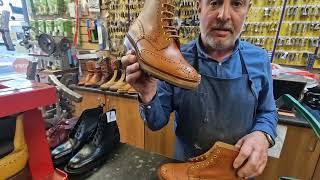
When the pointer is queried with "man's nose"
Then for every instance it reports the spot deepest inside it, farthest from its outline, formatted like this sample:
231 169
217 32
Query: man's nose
224 12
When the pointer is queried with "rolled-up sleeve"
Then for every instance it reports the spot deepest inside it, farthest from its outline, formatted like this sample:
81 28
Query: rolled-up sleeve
156 113
266 114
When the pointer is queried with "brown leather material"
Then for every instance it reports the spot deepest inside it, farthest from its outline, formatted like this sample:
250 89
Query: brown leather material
95 78
116 76
90 66
106 70
154 40
120 83
218 165
125 88
132 91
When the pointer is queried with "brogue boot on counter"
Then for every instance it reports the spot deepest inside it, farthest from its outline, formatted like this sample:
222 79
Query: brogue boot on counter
155 41
90 68
78 136
95 78
105 140
217 164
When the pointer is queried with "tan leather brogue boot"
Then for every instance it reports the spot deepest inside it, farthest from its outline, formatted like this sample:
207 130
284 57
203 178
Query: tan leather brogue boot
217 166
90 69
95 78
156 44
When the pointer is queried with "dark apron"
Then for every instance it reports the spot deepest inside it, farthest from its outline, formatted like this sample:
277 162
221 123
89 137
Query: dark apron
219 110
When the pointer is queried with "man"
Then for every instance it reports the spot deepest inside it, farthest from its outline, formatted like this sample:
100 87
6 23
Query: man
234 102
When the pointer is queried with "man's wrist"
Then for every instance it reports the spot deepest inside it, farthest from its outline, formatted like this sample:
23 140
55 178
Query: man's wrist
270 139
146 99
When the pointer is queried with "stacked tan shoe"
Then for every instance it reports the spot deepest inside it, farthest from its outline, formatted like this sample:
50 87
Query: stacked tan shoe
125 88
155 41
106 72
119 83
215 164
132 91
90 66
97 75
112 81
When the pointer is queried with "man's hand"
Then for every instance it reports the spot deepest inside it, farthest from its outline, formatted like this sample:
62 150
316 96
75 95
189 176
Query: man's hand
253 155
140 81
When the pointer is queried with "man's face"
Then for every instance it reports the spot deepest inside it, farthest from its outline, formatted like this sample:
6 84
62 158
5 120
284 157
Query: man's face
221 21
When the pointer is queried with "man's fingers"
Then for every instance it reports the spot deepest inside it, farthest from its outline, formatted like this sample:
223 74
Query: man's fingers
132 68
239 143
131 78
128 60
243 155
251 166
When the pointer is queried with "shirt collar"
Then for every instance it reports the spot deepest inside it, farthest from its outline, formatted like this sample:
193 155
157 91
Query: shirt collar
203 54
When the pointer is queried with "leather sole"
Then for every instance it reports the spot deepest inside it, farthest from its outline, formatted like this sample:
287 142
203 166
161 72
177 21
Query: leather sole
130 44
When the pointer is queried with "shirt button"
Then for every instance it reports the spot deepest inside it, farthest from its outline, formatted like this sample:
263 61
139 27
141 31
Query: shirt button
149 107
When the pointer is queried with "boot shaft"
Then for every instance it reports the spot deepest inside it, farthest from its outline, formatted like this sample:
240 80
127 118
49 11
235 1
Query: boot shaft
107 133
219 163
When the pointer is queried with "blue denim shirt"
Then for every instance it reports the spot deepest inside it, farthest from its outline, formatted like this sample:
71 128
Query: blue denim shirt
156 113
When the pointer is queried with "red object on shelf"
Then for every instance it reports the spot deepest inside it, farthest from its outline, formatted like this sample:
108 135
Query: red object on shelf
23 96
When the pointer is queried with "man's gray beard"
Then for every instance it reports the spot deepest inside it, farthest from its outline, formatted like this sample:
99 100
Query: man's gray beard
219 45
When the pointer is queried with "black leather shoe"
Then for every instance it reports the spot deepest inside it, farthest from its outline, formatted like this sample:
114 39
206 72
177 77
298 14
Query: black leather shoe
80 134
94 153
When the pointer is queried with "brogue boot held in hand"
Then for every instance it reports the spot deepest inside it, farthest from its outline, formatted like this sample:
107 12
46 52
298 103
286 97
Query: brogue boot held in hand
90 68
155 41
95 78
217 165
92 154
78 136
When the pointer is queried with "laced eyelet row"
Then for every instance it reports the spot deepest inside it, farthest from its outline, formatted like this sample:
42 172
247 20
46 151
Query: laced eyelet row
169 29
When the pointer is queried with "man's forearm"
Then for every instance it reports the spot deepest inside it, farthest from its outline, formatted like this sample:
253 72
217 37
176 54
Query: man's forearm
153 114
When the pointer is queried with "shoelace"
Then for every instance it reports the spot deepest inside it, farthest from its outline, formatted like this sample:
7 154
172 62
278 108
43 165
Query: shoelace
101 126
171 30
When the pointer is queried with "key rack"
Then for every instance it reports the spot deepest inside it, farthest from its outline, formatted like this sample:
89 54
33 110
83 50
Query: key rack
288 29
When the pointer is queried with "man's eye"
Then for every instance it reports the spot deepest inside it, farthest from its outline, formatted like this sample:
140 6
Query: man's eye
237 3
213 3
